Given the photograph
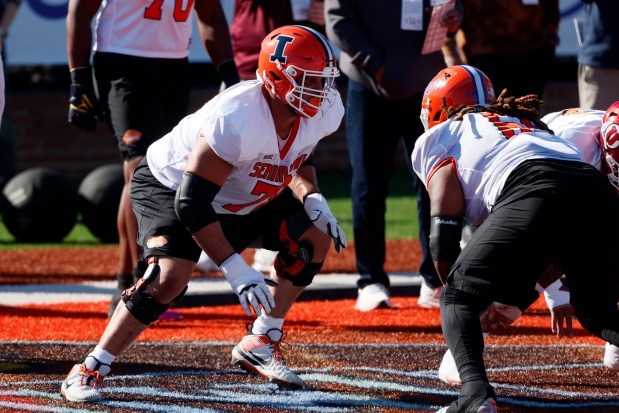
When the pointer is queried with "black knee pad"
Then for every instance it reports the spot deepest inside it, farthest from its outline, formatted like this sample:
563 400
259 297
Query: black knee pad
141 304
300 269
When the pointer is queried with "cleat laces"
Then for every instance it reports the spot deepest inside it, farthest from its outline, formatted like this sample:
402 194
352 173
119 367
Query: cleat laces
91 379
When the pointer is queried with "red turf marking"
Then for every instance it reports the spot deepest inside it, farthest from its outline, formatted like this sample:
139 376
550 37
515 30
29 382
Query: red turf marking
311 321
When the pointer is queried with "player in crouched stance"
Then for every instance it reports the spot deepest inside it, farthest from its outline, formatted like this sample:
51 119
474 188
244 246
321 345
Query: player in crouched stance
531 193
236 171
594 132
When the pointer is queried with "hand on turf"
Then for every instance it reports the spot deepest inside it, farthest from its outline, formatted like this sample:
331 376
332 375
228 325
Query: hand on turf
320 214
498 316
561 320
557 298
250 286
83 104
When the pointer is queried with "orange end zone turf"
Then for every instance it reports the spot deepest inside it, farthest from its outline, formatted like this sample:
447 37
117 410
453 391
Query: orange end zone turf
308 321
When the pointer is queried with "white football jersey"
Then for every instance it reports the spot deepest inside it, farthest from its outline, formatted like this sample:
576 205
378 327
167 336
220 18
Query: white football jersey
484 149
145 28
239 127
581 127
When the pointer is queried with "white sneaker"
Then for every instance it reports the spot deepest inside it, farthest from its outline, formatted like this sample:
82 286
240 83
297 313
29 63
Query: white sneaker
447 371
206 264
82 385
258 353
611 356
428 296
263 260
373 296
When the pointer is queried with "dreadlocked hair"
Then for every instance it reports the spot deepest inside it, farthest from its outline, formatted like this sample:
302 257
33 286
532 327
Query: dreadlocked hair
524 107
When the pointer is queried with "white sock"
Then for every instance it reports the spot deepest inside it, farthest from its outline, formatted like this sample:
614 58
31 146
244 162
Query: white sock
99 360
265 322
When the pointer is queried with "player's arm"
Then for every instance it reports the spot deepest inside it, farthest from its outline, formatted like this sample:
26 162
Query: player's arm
205 174
79 33
83 105
305 187
215 35
446 211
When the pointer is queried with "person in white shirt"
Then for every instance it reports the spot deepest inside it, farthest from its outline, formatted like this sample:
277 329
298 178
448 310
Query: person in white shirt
495 163
238 170
143 82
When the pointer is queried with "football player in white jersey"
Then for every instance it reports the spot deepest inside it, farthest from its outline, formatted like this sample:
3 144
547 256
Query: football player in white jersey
142 82
531 193
237 171
583 128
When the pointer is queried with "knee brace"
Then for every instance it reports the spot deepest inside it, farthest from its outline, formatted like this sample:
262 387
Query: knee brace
141 304
296 264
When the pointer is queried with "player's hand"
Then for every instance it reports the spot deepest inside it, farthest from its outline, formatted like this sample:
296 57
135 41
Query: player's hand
83 104
319 213
249 285
561 320
557 298
498 316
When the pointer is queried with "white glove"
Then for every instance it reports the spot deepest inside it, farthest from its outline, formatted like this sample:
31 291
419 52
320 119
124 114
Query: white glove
249 284
319 213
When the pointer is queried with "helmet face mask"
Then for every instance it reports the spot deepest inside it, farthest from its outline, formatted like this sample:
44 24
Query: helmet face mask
609 142
454 86
297 66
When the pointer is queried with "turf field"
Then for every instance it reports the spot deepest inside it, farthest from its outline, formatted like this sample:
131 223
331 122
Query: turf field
384 361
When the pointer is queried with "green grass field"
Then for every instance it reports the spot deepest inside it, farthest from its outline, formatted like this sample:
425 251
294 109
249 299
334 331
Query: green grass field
335 185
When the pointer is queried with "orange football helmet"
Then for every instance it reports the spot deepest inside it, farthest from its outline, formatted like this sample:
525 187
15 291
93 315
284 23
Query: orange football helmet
609 141
454 86
297 66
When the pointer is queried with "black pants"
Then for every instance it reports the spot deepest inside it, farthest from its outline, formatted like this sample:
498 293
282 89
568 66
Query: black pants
142 98
549 212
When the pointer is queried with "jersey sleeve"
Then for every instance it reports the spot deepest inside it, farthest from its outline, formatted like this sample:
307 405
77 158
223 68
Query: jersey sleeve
429 153
223 138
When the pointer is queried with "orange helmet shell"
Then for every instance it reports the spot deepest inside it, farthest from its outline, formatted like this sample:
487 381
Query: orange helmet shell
457 86
289 57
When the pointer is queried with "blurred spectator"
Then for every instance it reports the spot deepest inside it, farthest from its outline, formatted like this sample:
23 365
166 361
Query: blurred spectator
381 46
598 59
8 10
512 41
254 19
143 84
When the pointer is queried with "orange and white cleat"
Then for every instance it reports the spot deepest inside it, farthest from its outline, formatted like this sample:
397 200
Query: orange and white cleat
257 353
82 385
